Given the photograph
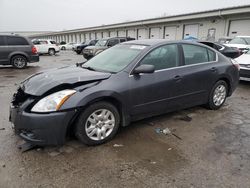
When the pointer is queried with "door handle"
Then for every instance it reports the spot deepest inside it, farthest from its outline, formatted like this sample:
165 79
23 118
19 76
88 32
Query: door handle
177 78
213 69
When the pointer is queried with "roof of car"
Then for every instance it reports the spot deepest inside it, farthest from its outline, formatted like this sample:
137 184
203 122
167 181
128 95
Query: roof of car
147 42
243 36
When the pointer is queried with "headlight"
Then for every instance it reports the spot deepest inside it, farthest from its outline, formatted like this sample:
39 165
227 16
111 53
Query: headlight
91 51
53 102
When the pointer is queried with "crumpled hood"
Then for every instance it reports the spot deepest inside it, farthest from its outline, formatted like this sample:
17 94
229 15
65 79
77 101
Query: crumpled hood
42 82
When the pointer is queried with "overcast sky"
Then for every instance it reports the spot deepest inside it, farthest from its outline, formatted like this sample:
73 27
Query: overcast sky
56 15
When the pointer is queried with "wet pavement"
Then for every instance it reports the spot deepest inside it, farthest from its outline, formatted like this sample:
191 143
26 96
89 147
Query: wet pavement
204 149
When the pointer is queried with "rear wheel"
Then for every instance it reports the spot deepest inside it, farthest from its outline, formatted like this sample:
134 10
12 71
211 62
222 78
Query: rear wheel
97 124
52 51
19 61
218 95
63 48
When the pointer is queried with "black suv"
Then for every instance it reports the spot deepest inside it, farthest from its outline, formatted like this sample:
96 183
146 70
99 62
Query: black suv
102 45
17 51
79 48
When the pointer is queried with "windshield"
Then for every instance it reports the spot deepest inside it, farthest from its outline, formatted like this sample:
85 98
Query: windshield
239 40
101 42
114 59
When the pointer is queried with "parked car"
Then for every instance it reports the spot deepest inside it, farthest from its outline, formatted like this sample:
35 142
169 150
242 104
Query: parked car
224 40
244 62
240 42
79 48
125 83
231 52
102 45
17 51
67 46
46 46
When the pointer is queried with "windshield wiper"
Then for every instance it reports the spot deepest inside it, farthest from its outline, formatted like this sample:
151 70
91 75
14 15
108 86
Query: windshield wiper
89 68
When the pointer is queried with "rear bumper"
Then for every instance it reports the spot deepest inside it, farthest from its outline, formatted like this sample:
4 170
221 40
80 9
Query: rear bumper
41 129
34 58
244 73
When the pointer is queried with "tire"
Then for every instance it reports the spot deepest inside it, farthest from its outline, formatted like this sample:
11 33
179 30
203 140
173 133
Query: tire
52 51
63 48
218 95
78 51
97 125
19 61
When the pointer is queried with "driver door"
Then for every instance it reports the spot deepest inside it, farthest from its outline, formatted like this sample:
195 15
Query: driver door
154 93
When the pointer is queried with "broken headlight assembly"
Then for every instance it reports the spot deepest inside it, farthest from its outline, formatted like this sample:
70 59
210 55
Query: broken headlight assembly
53 102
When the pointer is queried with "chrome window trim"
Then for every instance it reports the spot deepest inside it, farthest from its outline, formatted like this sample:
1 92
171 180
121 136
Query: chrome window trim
131 75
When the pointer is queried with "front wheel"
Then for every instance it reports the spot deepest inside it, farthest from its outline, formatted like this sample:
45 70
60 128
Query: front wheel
98 123
218 95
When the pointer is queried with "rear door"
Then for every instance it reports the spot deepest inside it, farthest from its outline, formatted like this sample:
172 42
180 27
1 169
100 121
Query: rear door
4 50
197 75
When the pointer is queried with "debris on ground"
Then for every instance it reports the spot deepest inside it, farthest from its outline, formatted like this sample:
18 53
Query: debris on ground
166 131
54 153
26 147
2 129
186 118
117 145
169 149
152 162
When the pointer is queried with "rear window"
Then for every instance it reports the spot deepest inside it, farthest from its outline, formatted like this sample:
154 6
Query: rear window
196 54
16 41
2 42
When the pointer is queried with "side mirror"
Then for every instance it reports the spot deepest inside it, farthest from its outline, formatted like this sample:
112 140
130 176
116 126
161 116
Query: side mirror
144 69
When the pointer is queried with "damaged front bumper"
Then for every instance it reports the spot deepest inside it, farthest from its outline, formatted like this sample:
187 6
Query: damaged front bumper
40 128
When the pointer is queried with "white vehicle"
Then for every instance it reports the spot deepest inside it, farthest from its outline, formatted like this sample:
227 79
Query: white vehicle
68 46
45 46
244 62
240 42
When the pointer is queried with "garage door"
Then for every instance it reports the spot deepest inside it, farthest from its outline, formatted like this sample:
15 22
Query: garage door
113 34
122 33
87 36
239 27
142 34
191 30
98 35
105 34
170 33
92 35
78 38
131 33
155 33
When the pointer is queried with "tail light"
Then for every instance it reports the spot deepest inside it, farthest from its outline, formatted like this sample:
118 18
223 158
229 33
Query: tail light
34 50
236 64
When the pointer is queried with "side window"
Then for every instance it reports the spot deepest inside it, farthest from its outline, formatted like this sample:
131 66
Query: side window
43 42
52 42
92 43
122 40
163 57
194 54
13 40
211 55
2 41
36 42
113 42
